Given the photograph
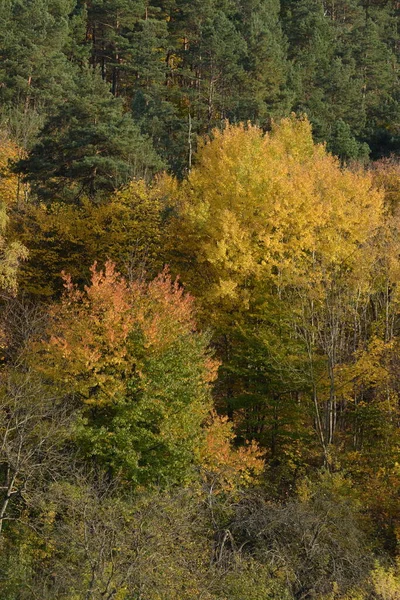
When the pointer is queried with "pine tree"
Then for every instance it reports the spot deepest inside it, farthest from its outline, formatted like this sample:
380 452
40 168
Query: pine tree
34 69
378 65
89 147
266 92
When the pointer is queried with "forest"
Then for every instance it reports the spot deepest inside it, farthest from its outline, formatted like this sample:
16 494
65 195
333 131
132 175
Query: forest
199 300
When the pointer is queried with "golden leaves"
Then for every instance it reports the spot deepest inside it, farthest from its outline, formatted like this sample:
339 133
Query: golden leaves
271 207
220 460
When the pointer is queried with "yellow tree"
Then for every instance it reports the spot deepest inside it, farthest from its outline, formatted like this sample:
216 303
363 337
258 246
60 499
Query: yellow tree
11 253
274 235
126 229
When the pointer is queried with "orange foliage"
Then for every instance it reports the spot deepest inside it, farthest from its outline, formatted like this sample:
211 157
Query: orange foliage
90 334
166 309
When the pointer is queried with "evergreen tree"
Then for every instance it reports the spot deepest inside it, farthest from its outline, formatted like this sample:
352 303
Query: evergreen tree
34 70
205 69
344 145
378 66
88 147
266 92
110 27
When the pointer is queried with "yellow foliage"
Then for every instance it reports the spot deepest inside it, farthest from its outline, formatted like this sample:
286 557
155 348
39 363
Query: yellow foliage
10 186
125 229
273 220
369 370
386 582
11 253
271 206
386 176
221 462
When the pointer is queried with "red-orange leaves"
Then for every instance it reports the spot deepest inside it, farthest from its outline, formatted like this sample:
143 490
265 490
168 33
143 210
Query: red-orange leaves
132 353
89 334
165 311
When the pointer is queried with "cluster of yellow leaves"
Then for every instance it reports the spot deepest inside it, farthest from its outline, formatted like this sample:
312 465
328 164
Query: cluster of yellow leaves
221 462
274 206
274 220
386 176
368 371
11 253
10 185
126 229
386 582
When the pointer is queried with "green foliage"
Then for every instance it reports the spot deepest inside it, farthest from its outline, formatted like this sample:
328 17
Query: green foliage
344 145
182 68
35 71
120 478
89 147
250 580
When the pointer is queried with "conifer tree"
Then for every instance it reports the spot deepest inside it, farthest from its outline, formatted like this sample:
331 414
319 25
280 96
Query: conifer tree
88 147
34 71
266 92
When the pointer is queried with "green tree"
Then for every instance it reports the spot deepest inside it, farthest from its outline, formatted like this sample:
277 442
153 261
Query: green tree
344 145
378 65
88 147
266 93
35 71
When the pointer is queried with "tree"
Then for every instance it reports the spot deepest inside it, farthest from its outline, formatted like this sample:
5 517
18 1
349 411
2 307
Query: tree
315 540
131 353
125 228
33 427
344 68
377 64
88 147
267 92
11 252
35 71
269 230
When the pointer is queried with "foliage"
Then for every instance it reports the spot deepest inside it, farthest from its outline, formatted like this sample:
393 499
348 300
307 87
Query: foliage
234 436
280 248
33 427
125 228
223 465
315 542
11 253
88 147
131 353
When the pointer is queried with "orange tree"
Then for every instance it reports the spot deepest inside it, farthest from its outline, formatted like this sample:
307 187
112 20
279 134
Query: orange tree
131 353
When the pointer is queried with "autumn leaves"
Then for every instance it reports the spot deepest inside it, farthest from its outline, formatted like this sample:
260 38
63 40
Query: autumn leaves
281 248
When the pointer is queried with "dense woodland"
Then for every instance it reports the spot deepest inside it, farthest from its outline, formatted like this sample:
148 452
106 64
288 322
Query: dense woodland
199 300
